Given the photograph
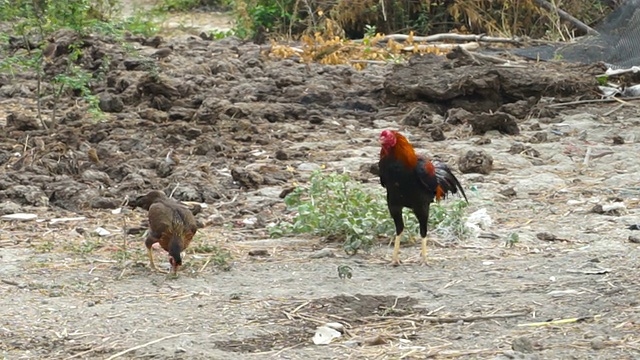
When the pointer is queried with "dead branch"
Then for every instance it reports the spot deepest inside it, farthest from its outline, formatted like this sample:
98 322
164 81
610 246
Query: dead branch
567 17
447 36
454 319
422 47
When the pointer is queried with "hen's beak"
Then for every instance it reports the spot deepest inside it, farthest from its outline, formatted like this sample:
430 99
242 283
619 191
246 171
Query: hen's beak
380 140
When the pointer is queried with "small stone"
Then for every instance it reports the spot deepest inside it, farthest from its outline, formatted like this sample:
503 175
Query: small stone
22 122
477 161
9 207
105 203
323 253
111 103
282 155
538 137
598 343
316 120
482 141
504 123
522 344
457 116
308 167
618 140
508 192
437 134
546 236
258 252
634 239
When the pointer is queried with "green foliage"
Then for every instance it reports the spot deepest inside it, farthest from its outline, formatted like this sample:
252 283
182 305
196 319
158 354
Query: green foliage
177 5
218 34
217 256
187 5
512 240
253 16
334 205
369 31
603 80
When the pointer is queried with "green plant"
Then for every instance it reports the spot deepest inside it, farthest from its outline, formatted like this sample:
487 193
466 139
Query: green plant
255 16
219 34
219 257
512 240
369 31
79 81
334 205
603 80
177 5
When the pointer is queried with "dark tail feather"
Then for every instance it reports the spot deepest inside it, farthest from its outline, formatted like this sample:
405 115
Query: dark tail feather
447 182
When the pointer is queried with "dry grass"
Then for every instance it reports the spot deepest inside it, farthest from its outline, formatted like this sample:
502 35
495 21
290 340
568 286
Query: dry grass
328 49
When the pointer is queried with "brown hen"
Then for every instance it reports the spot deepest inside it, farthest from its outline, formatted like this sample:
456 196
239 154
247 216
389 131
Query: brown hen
171 224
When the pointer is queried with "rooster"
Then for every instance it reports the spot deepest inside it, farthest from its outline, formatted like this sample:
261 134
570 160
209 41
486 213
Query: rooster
414 182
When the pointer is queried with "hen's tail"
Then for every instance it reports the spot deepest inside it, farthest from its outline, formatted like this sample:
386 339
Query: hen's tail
447 182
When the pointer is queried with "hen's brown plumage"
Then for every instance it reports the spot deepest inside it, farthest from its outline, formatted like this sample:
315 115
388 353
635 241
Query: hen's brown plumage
412 182
171 224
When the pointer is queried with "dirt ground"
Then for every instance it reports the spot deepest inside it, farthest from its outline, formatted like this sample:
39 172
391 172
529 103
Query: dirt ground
245 127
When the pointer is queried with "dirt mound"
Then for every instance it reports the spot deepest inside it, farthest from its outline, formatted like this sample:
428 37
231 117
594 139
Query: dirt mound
211 105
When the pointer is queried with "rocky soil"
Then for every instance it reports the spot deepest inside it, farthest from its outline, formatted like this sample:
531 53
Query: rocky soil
226 124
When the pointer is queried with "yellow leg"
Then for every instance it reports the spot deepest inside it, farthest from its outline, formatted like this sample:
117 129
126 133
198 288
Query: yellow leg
152 263
423 251
396 250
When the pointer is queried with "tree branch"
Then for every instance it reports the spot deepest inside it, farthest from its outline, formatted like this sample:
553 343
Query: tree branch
567 17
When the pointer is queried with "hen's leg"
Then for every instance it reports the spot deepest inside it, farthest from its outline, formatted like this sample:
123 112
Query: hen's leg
396 214
149 243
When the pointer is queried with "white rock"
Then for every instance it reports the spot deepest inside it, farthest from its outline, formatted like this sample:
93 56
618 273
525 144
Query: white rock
19 216
324 335
308 167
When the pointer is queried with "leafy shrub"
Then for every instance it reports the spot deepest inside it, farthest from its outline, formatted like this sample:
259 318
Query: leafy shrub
334 205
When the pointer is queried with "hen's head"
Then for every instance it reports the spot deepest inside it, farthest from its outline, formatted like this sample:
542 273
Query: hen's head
388 139
175 258
175 264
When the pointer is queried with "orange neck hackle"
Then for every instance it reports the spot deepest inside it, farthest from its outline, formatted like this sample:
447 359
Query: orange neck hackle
402 151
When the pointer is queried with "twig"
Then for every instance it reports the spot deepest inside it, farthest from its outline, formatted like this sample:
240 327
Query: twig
423 47
613 110
205 264
567 17
174 190
375 62
604 153
221 204
587 155
454 319
580 102
447 36
300 306
10 282
146 344
559 322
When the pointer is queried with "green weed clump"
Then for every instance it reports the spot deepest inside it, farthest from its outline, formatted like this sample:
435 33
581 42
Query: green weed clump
335 206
